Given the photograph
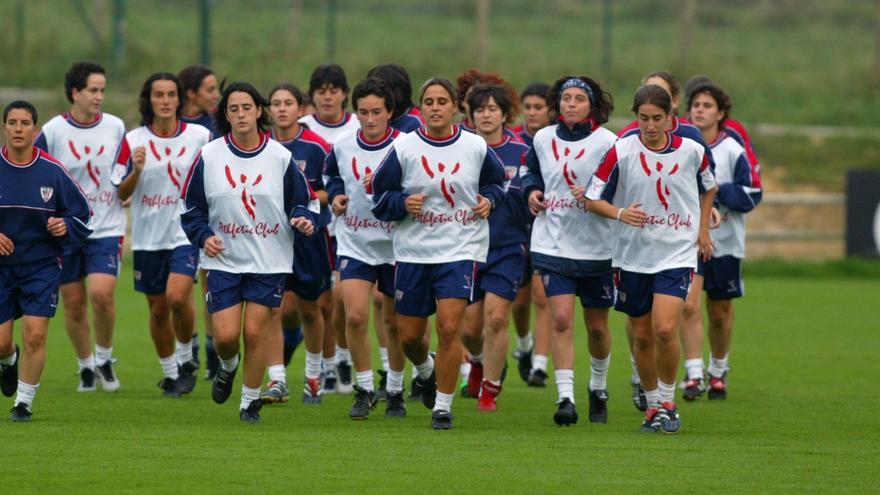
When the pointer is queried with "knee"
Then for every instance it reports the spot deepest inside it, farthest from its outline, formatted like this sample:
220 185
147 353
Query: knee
159 311
642 342
34 338
103 301
597 328
665 332
496 322
75 307
720 313
562 322
445 338
691 308
178 303
253 334
357 320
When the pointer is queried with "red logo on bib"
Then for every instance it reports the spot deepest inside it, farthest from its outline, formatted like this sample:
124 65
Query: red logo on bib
247 200
663 192
94 173
447 190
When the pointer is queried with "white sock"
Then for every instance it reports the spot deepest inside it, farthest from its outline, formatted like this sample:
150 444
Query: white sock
103 354
342 354
524 344
717 367
565 384
395 382
464 369
313 365
443 402
10 359
539 362
694 368
425 369
184 352
88 362
653 397
667 391
329 363
599 372
229 364
383 354
477 358
277 373
248 395
365 380
414 372
634 378
169 366
26 393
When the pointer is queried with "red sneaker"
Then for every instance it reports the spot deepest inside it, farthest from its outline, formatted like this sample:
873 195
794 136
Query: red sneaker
475 377
488 393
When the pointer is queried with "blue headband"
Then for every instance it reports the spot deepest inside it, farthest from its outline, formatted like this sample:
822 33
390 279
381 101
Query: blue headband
575 82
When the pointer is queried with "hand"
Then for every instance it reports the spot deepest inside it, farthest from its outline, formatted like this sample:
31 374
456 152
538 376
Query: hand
714 218
213 246
579 193
139 158
414 203
705 246
6 246
483 208
56 227
303 225
536 202
126 203
633 215
368 181
340 205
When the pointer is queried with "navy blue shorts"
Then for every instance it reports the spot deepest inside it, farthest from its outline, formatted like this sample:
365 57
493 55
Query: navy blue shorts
95 256
151 268
594 291
30 289
635 291
353 268
724 278
309 289
502 273
418 286
228 289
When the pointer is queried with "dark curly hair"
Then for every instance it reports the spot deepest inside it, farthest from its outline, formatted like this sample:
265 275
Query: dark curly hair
376 87
722 100
601 103
473 77
78 76
479 96
222 123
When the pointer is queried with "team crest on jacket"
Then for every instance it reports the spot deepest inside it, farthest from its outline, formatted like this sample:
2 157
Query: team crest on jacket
511 171
301 164
46 192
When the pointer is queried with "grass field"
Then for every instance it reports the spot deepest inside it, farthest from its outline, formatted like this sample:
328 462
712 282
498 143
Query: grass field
801 418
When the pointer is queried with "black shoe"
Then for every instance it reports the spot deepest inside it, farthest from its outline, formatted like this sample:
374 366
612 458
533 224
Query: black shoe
441 420
364 402
252 413
195 350
222 386
343 371
693 389
382 393
598 406
187 380
639 399
429 390
537 378
523 364
395 406
87 380
415 389
566 414
107 376
9 376
169 387
717 387
213 362
21 413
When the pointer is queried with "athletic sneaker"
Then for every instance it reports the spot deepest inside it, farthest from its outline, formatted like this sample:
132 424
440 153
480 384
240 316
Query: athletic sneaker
717 387
566 414
693 389
638 396
382 393
537 378
21 413
651 424
429 390
312 390
343 384
598 406
107 376
9 376
222 386
395 406
488 394
670 422
195 351
415 389
364 402
474 380
169 387
276 391
87 380
252 413
186 382
441 420
330 380
213 362
523 363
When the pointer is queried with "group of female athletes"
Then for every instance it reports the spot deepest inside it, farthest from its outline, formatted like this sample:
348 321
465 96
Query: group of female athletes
302 221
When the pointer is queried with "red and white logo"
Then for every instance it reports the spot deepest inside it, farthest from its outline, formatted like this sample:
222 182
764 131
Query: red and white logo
86 153
247 200
357 175
663 192
567 173
173 174
447 190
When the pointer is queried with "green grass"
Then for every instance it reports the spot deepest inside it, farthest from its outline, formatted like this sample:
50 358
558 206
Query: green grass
801 418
